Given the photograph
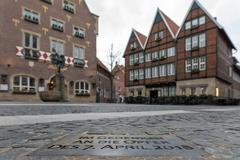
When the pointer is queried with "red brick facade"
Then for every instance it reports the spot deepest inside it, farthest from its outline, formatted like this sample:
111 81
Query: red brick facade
197 58
15 23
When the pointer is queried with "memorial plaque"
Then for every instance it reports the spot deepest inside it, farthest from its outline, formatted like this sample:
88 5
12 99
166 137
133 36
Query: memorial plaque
118 145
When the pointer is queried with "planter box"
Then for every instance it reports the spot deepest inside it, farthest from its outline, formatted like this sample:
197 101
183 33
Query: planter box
47 1
82 95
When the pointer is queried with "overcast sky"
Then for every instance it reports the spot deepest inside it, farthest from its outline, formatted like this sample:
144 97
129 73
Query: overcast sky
118 17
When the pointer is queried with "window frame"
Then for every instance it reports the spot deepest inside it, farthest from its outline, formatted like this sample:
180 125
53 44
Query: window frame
79 28
52 19
80 90
131 75
72 3
188 65
32 12
57 40
202 63
79 47
21 86
148 73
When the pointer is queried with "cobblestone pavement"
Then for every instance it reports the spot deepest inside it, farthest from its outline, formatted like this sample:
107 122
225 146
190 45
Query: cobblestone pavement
215 131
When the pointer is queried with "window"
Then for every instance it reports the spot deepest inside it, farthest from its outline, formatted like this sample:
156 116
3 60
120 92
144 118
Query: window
194 23
31 16
136 75
141 74
79 32
193 91
131 59
194 42
31 46
165 91
172 91
171 52
148 73
133 46
202 40
57 25
198 41
171 69
188 44
183 90
202 63
162 54
136 58
131 75
195 63
82 88
23 84
202 20
68 6
187 25
162 70
203 91
57 47
159 36
141 58
155 56
154 72
78 52
148 57
188 65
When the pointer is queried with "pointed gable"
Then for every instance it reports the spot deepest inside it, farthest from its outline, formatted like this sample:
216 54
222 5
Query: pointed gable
137 37
197 5
171 26
142 38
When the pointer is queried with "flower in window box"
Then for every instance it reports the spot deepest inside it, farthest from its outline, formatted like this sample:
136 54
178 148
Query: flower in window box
78 62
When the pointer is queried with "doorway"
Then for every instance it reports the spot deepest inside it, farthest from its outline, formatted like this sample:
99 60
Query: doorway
153 96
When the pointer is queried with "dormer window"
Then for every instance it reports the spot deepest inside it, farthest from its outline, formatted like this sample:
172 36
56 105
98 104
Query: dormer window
57 25
79 32
159 36
133 46
69 6
31 16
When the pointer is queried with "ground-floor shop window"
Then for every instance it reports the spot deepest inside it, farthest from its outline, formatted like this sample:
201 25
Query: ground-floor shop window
23 84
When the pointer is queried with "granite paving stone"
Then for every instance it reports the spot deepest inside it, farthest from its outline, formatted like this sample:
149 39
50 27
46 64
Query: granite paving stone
217 133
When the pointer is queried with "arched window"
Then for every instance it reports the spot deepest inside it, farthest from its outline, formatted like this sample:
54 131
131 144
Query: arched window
82 88
23 84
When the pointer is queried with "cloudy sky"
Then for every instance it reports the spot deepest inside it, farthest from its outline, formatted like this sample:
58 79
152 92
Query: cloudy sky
118 17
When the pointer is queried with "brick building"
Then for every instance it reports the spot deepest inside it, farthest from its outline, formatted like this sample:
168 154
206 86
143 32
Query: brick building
120 91
103 83
193 59
30 31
